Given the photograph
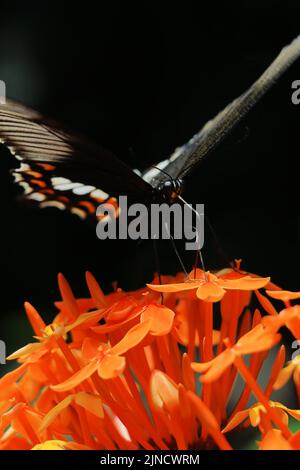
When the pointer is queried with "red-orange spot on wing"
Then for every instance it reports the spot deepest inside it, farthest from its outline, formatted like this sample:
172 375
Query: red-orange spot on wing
63 199
35 174
47 191
39 183
88 205
47 166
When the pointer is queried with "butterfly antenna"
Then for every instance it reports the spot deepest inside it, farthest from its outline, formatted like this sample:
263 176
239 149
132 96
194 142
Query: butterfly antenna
188 205
176 251
200 257
198 253
202 262
163 171
213 232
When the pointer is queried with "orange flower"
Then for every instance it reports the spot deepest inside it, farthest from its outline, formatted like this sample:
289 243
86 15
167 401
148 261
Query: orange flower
116 371
291 369
109 361
60 445
257 340
90 402
181 329
257 416
274 440
210 287
284 295
289 317
125 311
174 402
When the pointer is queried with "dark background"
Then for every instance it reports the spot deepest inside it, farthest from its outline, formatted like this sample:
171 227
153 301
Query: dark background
140 78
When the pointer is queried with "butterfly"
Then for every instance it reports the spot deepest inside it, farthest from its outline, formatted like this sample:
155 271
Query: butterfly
62 169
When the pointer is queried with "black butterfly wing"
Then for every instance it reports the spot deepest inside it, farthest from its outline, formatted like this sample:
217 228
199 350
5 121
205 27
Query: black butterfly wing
185 158
62 169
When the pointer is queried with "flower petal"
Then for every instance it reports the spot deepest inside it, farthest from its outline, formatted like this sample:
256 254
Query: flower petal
35 319
77 378
111 366
214 369
55 411
266 304
284 295
274 440
85 319
54 444
90 402
121 310
254 415
164 391
24 351
237 419
294 413
189 285
69 300
244 283
210 292
284 376
89 348
256 340
133 337
95 290
161 319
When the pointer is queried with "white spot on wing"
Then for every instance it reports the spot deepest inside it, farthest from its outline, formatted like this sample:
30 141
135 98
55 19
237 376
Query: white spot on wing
23 167
79 212
99 194
59 180
17 177
27 188
57 204
67 186
39 197
83 190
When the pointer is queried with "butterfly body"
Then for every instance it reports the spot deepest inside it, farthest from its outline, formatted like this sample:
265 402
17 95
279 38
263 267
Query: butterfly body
64 170
168 190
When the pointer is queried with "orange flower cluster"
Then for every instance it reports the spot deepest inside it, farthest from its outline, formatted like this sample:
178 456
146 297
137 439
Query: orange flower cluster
121 371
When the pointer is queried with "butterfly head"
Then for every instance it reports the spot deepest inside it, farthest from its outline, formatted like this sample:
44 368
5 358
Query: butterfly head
168 190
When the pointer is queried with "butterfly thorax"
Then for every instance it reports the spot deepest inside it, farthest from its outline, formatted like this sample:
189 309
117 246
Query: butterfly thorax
169 190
